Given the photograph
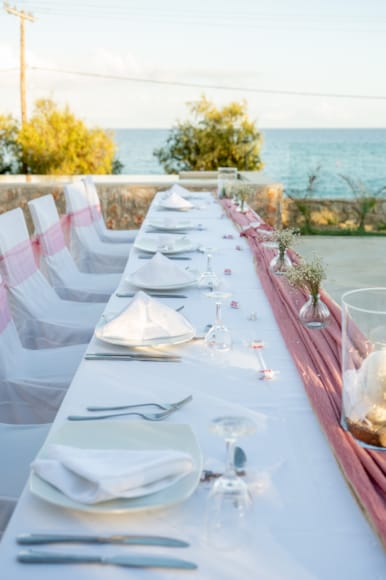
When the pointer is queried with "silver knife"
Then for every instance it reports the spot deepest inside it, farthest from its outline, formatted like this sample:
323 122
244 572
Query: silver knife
137 354
127 539
132 560
128 357
155 295
170 257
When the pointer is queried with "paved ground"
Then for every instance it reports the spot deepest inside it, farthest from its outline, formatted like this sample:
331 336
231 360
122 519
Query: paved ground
351 262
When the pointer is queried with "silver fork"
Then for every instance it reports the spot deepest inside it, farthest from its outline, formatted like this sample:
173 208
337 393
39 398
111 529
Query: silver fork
163 406
147 416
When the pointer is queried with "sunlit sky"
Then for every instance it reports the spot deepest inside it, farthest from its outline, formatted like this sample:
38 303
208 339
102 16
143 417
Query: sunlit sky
272 53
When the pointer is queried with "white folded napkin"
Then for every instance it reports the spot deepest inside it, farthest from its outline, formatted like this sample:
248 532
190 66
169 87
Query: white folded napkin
146 319
161 271
93 475
175 201
182 191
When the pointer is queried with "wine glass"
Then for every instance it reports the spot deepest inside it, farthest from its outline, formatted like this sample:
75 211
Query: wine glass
218 336
208 278
229 504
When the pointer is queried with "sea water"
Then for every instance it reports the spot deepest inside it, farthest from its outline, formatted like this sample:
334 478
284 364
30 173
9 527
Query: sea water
289 156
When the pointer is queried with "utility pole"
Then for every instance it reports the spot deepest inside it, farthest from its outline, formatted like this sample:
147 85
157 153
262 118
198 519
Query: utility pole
23 17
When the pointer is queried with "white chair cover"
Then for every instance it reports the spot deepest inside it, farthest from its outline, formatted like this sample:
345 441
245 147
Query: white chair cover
41 317
19 445
37 379
57 263
105 234
90 253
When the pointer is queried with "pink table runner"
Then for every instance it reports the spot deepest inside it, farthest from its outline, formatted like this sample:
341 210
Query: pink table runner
317 355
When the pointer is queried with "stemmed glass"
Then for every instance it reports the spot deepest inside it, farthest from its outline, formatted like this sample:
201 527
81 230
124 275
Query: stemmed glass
208 278
218 336
229 501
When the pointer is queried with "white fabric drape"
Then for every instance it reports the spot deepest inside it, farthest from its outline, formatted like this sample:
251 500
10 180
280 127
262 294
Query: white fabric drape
37 379
90 253
106 235
41 317
58 264
19 446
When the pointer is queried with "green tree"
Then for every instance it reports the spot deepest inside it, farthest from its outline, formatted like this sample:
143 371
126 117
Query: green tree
213 138
55 142
10 154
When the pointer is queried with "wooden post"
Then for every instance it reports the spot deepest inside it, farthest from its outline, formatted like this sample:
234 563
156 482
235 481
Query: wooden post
23 17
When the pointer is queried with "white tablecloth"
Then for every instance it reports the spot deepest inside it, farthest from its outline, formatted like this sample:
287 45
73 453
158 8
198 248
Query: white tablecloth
307 525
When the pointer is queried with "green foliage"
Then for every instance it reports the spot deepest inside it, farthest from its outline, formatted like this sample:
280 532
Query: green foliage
302 197
365 200
55 142
9 148
214 138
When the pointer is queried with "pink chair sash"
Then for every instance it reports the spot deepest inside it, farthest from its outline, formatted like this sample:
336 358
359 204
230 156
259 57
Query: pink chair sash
52 240
18 264
317 355
96 212
5 313
81 218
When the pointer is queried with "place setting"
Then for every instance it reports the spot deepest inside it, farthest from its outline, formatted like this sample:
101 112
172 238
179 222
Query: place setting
145 322
172 225
173 201
161 274
163 243
186 193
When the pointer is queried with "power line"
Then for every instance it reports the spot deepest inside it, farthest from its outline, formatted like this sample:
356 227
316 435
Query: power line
207 16
217 87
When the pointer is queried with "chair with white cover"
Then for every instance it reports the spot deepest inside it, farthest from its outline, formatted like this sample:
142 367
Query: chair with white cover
37 379
90 253
19 444
57 263
105 234
41 317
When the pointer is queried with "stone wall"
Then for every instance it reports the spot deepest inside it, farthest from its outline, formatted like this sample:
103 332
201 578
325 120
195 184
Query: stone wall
125 204
334 214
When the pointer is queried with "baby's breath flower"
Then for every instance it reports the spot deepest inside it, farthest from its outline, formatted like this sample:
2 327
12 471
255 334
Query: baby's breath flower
285 238
307 275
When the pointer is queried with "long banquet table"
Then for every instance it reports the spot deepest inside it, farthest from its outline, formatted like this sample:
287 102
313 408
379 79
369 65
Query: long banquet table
306 522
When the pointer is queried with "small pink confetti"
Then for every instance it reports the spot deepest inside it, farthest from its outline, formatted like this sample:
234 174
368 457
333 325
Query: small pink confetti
227 272
228 236
239 248
266 374
235 304
257 344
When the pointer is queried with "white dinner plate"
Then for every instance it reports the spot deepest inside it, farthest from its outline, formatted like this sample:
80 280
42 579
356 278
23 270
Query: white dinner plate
161 340
133 280
171 207
127 435
172 246
166 226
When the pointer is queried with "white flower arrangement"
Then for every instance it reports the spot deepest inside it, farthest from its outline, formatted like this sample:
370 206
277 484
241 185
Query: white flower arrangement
285 238
308 276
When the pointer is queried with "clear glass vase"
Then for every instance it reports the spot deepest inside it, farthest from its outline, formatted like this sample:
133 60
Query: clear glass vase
280 263
314 313
364 366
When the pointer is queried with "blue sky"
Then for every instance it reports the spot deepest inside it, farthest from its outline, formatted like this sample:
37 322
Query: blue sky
325 47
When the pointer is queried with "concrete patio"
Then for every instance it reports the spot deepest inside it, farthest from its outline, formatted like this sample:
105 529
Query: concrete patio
351 262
